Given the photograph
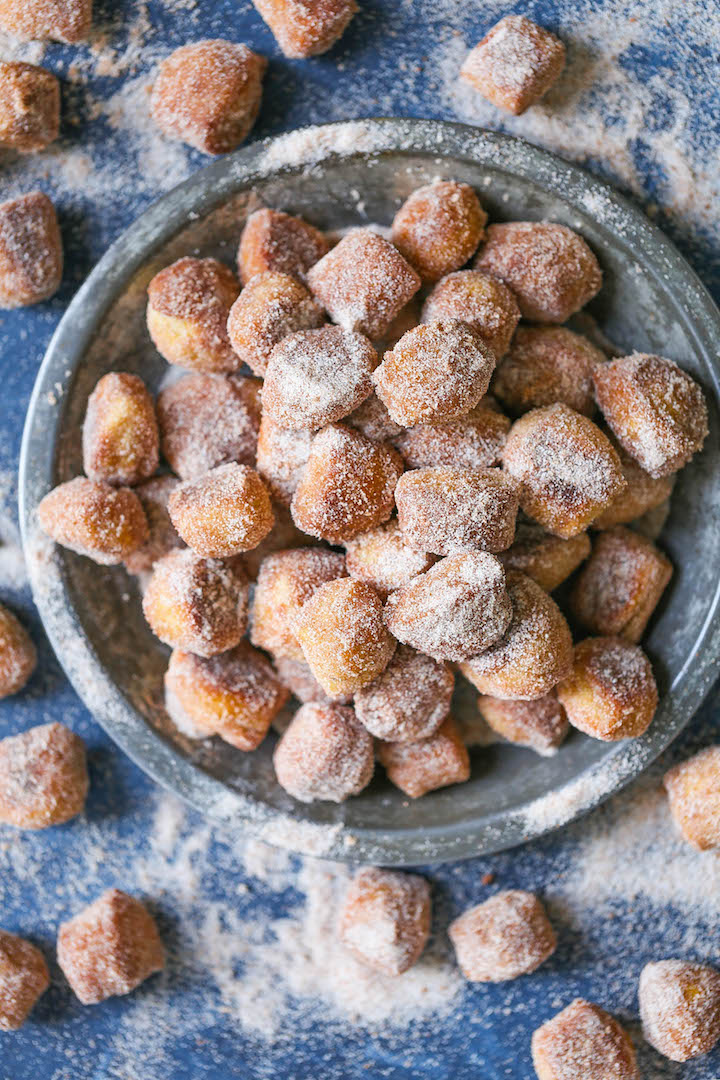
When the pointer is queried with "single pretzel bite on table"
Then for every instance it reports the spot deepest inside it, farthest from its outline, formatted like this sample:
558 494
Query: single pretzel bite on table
162 535
475 441
549 560
43 777
279 243
197 605
446 511
438 228
29 107
109 948
305 28
693 789
297 677
372 420
363 283
54 20
270 307
314 377
656 410
427 764
515 64
121 444
24 977
483 302
568 471
224 512
610 693
347 486
546 364
680 1008
189 304
534 653
383 558
642 493
18 658
620 585
506 936
343 637
409 700
385 919
550 269
455 610
208 94
235 695
31 251
436 372
540 725
583 1042
282 455
94 519
325 754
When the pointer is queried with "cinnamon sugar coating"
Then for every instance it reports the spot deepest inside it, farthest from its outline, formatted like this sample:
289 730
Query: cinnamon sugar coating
680 1008
208 94
475 441
383 558
279 243
109 948
363 283
305 28
426 764
270 307
188 307
24 977
546 364
94 519
31 251
549 560
372 420
121 444
409 700
480 300
223 512
506 936
611 692
162 535
438 228
515 64
282 455
550 268
29 107
693 789
18 658
540 725
655 409
385 919
535 652
324 754
300 681
43 777
642 493
583 1041
56 20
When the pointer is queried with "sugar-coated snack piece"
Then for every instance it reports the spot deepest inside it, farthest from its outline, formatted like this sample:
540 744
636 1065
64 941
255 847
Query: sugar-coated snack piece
279 243
324 754
409 701
475 441
641 495
693 789
610 692
29 107
208 94
223 512
455 610
305 28
162 535
504 937
270 307
43 777
92 518
121 444
550 268
317 376
56 20
197 605
515 64
621 584
568 470
109 948
540 725
385 919
31 251
655 409
480 300
439 227
546 364
583 1041
535 652
343 637
300 681
426 764
18 658
188 307
549 560
448 510
283 535
285 583
282 455
436 372
235 694
406 319
680 1008
372 420
363 282
384 559
24 977
347 486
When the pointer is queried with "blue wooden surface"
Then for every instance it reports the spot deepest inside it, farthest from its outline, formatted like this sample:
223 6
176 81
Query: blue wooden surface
391 61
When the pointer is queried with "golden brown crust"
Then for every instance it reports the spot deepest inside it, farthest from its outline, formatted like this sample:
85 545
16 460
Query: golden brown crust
642 492
541 725
480 300
610 693
583 1040
383 558
29 107
549 560
693 788
305 29
31 251
409 700
428 764
475 441
507 936
57 20
270 307
279 243
121 444
94 519
680 1008
385 919
24 977
438 228
222 513
546 364
324 754
43 777
18 658
515 64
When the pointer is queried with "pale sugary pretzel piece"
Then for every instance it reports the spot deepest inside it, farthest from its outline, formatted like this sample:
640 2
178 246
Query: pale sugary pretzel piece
29 107
282 455
372 420
121 443
94 519
279 243
515 64
475 441
24 977
385 919
31 251
324 754
409 700
680 1008
383 558
54 20
546 364
610 693
549 560
426 764
487 304
270 307
583 1041
540 725
223 512
43 777
504 937
162 536
438 228
305 28
693 788
18 657
641 495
